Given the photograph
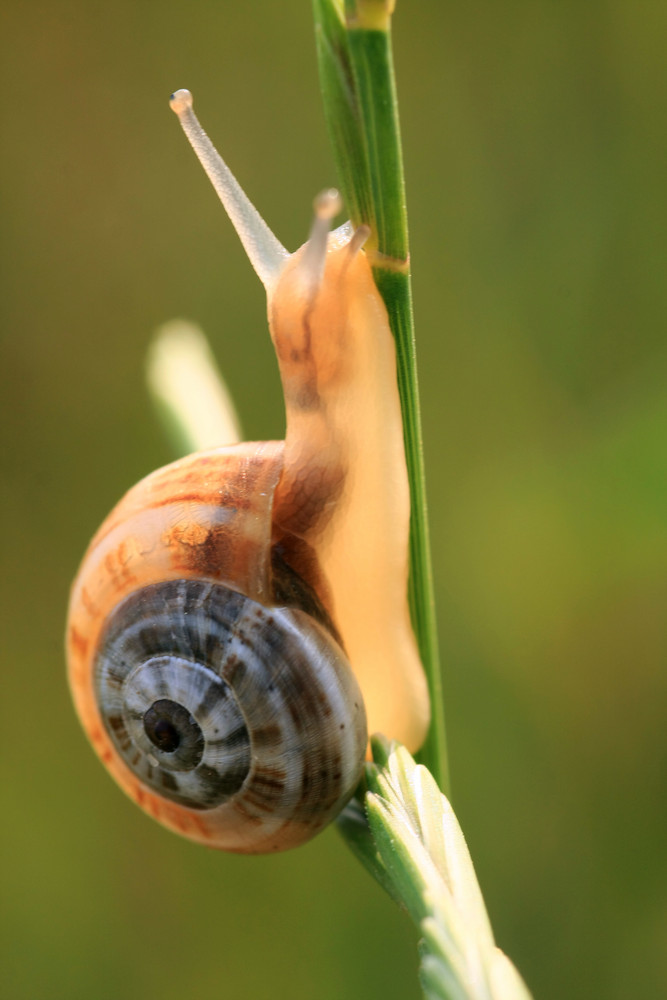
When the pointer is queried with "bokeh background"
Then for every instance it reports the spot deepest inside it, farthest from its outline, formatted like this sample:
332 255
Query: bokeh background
535 148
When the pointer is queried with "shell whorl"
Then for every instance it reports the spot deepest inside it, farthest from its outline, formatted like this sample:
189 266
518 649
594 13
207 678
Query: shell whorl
224 706
252 704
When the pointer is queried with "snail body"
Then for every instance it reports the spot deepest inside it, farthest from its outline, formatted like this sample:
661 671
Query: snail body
238 607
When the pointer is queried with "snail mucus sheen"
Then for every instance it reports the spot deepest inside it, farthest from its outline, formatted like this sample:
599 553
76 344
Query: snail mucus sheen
239 622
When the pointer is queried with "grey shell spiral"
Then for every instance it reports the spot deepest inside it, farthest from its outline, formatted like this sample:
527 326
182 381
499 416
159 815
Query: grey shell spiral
219 703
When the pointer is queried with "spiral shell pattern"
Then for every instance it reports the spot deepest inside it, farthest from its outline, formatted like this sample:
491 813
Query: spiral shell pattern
220 704
204 667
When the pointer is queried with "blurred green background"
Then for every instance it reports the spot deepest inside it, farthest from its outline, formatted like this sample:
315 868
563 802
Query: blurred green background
535 148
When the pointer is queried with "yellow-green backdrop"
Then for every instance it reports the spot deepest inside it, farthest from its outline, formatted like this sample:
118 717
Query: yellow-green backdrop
535 148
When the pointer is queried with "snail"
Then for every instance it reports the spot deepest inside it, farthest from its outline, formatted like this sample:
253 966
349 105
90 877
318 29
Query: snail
238 608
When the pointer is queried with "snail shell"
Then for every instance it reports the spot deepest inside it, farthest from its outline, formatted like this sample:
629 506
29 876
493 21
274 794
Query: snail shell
226 710
234 606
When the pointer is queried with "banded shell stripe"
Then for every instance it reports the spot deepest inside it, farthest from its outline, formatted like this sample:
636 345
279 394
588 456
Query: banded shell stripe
220 668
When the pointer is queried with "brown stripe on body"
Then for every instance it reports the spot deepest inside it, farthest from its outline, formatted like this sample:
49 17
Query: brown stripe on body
298 368
310 360
310 487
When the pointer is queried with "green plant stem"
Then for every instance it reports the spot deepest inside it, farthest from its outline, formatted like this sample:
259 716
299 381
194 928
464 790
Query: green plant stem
357 79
